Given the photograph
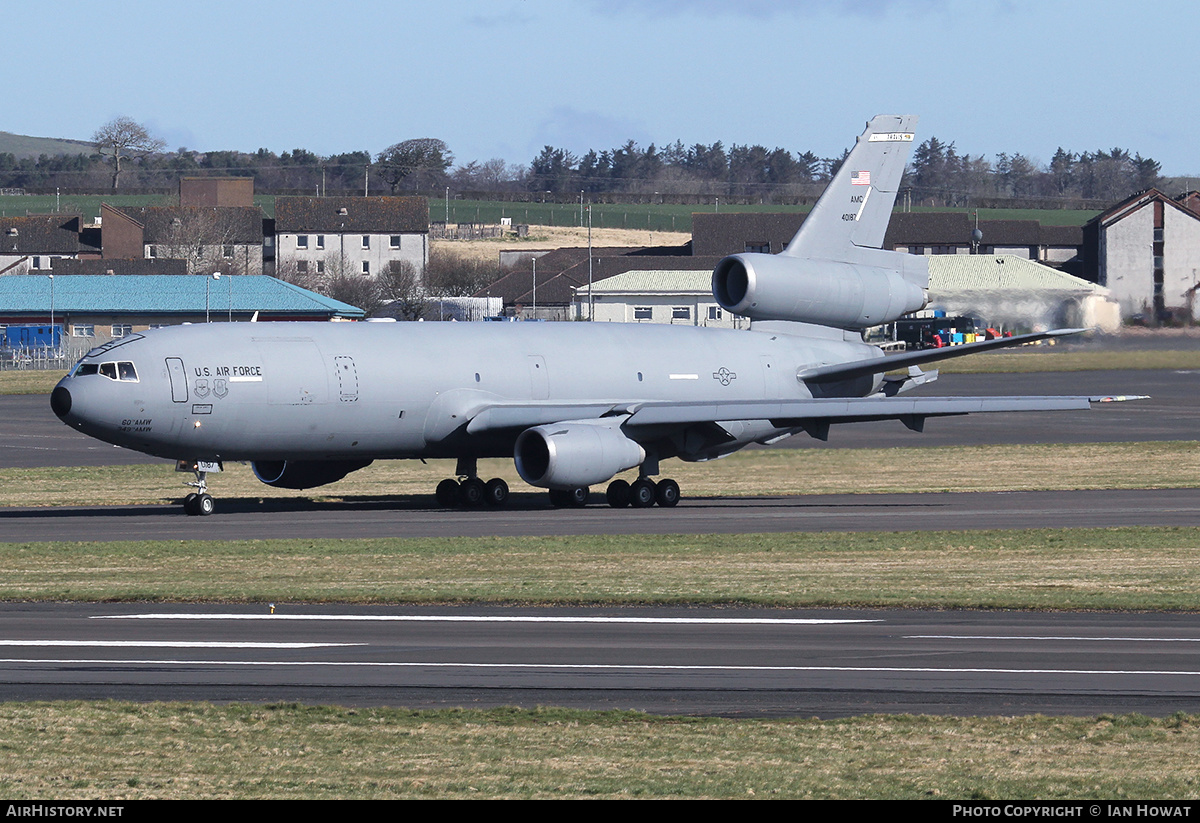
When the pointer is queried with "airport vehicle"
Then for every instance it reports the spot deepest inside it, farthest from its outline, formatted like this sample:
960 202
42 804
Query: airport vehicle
575 404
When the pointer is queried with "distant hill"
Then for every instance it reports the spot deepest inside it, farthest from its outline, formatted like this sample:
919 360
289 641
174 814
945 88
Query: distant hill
24 146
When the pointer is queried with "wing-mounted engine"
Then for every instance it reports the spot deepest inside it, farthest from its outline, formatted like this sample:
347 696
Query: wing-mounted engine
304 474
576 453
822 292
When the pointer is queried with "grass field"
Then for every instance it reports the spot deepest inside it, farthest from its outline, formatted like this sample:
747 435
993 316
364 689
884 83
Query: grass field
1069 569
779 471
120 751
659 217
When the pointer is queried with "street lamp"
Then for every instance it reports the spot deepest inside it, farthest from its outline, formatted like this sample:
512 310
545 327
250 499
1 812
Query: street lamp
207 284
53 341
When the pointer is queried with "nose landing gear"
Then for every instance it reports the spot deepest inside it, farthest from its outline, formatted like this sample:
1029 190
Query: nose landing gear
200 502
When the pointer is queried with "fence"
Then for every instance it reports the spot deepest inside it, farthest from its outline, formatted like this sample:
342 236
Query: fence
41 358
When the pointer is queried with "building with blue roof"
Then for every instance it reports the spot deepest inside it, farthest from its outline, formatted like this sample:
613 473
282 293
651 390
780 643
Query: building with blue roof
92 309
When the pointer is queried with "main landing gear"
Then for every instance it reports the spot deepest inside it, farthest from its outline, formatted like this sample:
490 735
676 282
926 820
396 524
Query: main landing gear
643 493
472 491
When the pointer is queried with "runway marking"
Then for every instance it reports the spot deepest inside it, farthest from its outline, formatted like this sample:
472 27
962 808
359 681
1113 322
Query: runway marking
1051 637
600 667
172 644
733 621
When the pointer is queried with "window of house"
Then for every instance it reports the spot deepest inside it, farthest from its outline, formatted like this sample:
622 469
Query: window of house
152 252
320 241
121 330
37 262
83 330
394 241
366 241
366 266
758 247
227 251
681 313
643 313
714 312
302 267
320 267
302 241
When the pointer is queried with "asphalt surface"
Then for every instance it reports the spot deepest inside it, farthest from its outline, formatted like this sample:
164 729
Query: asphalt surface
730 662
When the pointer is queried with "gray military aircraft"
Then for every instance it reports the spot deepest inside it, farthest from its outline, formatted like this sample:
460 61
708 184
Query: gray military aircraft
575 404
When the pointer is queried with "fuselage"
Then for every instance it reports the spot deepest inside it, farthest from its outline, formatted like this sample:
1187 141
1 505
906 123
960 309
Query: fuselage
338 391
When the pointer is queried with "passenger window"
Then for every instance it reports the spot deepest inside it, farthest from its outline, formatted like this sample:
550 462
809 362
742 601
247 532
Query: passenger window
109 370
126 371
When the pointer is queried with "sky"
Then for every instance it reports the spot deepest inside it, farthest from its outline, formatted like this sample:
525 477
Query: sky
503 78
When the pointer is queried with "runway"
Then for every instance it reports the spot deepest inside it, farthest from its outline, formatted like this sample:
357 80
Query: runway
531 514
731 662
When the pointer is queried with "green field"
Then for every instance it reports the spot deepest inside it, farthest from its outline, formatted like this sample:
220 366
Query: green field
641 216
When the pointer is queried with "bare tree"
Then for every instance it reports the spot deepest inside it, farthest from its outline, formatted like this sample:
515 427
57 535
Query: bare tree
208 239
451 274
400 286
125 139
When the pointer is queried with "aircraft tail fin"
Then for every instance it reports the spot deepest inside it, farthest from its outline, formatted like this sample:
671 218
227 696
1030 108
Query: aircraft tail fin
857 205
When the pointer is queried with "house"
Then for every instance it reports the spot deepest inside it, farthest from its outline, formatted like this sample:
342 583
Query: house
1146 250
37 242
350 235
679 297
227 239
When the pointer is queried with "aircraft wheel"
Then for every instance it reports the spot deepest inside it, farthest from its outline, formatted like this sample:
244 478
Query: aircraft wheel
447 493
496 492
666 493
471 492
189 505
641 493
204 504
570 498
618 494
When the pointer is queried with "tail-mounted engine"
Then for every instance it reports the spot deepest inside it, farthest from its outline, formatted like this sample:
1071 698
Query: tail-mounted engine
823 292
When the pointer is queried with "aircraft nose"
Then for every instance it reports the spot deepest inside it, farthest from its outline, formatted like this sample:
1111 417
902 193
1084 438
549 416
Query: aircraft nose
60 401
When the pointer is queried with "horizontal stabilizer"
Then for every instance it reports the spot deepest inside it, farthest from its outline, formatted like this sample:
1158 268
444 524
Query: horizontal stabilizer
879 365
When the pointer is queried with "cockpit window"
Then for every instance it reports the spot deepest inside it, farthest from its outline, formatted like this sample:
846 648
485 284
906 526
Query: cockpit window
122 370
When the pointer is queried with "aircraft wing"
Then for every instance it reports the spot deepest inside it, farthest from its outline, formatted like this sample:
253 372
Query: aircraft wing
858 368
781 413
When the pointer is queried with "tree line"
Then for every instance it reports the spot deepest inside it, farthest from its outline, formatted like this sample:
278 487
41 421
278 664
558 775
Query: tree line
129 157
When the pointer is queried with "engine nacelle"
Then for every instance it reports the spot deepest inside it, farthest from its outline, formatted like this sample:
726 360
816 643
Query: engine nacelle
579 453
304 474
823 292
